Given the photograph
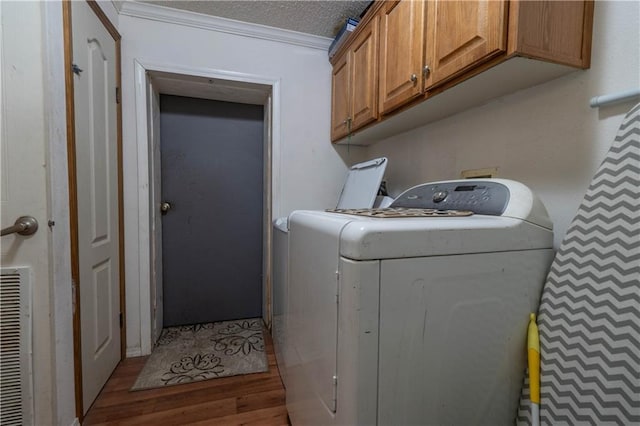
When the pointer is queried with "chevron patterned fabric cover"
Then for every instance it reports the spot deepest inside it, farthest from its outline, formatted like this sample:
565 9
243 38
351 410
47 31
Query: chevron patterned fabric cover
589 315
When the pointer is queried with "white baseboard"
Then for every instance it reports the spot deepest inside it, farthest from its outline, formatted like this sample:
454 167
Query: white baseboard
133 352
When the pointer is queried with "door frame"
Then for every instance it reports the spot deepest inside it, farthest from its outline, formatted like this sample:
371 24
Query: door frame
73 191
272 161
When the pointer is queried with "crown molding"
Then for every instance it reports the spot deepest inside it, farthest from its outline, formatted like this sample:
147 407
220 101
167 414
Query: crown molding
213 23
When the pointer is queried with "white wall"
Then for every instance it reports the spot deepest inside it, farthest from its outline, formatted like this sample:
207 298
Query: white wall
311 172
546 136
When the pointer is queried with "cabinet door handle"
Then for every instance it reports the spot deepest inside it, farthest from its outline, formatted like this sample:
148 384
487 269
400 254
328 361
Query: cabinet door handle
414 78
425 71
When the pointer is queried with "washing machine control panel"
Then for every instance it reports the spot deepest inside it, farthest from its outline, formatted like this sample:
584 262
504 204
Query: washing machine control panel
478 196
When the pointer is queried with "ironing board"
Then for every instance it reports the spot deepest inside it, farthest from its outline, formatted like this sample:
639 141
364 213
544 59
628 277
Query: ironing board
589 315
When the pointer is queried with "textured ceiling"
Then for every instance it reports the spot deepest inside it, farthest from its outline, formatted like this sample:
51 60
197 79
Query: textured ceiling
323 18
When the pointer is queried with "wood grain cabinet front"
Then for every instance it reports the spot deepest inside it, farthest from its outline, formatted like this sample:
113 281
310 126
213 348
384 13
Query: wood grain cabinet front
401 53
460 35
340 106
354 96
364 76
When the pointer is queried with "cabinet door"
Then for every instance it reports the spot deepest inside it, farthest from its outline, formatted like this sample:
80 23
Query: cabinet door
461 34
364 76
401 51
340 98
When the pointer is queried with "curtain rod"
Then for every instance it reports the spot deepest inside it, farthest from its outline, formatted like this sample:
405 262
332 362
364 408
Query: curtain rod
614 98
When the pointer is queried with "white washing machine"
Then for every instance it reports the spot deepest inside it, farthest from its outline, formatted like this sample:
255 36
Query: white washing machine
413 316
359 191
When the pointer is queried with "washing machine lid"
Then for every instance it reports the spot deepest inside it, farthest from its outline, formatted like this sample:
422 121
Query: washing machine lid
362 184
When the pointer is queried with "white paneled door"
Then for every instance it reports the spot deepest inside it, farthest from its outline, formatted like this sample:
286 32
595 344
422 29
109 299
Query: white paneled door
96 139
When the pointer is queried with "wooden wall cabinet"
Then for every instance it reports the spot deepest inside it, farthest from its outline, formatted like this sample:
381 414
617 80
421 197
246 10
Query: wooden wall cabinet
439 57
355 84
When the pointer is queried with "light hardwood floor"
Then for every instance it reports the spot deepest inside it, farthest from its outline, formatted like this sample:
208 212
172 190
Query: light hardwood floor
253 399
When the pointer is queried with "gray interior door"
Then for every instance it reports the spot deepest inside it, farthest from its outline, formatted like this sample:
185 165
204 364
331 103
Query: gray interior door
212 176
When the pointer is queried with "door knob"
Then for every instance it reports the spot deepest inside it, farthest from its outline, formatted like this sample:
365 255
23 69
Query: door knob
165 207
414 78
24 225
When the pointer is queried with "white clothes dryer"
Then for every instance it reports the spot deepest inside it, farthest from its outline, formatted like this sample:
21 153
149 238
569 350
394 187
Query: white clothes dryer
359 191
415 314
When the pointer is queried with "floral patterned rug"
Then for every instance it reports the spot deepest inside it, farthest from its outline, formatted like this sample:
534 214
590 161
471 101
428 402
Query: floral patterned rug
192 353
